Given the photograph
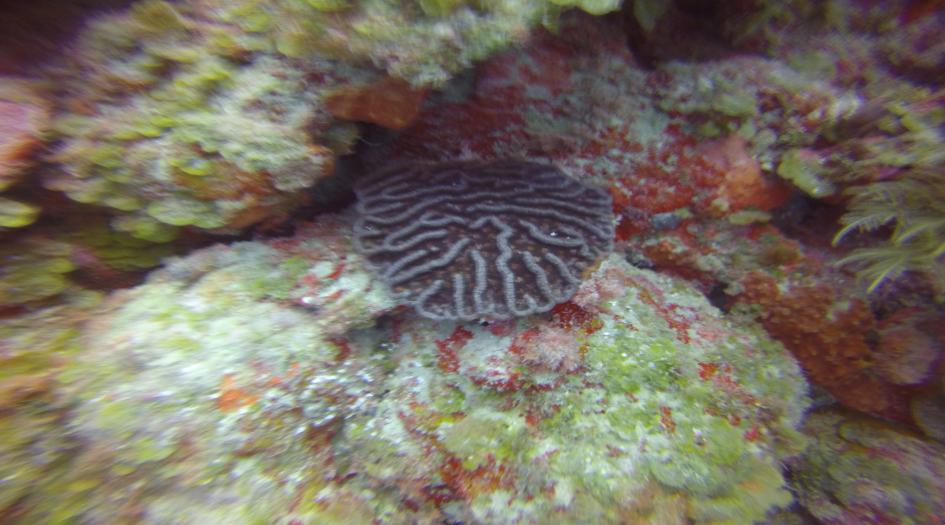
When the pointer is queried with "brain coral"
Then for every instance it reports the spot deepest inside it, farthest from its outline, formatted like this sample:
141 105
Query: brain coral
468 240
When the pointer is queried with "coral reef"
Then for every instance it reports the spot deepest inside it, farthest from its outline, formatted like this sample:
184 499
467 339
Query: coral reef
467 240
220 115
74 249
424 42
277 380
694 177
260 382
654 407
34 349
928 412
172 121
888 152
860 470
829 336
24 117
34 269
221 360
867 362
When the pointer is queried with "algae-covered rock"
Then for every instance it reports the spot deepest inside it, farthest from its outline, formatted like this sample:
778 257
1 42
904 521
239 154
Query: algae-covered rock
215 386
217 115
172 120
262 382
16 214
33 270
425 42
80 251
861 470
34 348
637 401
24 119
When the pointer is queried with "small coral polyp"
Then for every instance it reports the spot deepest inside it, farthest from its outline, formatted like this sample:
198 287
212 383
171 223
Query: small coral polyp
469 240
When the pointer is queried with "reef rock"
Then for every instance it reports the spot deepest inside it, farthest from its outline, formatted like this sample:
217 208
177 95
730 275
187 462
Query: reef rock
861 470
272 381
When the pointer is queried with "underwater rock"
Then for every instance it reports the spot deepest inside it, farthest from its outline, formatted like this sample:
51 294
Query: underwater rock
221 115
579 99
216 147
172 121
471 240
646 403
390 102
928 412
24 119
861 470
217 384
424 42
214 392
34 269
35 347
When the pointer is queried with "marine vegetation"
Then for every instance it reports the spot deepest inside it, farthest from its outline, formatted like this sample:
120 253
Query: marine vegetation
913 208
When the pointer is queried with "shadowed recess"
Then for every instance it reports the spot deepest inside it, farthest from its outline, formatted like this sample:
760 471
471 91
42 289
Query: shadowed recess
481 240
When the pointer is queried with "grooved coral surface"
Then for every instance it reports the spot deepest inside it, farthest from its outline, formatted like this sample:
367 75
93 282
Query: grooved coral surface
470 240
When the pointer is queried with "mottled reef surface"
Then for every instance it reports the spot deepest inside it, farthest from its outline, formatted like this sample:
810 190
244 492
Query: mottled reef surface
444 262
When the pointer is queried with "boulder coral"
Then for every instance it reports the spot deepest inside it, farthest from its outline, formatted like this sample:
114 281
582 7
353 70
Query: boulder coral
222 366
654 407
474 240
